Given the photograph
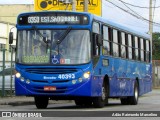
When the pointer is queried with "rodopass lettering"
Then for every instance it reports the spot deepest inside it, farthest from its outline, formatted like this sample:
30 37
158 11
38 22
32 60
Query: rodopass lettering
94 6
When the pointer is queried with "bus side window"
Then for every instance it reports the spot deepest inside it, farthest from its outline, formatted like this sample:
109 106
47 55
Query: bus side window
123 46
96 39
136 48
142 49
106 42
147 51
129 46
133 47
115 43
144 44
126 44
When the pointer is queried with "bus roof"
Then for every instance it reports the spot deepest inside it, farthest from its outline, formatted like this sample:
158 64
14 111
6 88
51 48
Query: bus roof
121 27
103 20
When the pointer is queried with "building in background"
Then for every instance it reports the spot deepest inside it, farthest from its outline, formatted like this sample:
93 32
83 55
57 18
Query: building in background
8 17
9 13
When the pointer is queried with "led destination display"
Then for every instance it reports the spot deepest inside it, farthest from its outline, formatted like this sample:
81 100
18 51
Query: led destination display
52 19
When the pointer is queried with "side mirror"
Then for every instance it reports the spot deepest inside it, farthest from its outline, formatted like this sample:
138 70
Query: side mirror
97 42
98 39
10 37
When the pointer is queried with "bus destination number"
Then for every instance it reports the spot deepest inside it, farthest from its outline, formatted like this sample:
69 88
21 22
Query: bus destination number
66 76
33 19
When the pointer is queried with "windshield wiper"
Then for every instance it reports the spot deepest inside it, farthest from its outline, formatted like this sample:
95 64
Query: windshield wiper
63 35
44 36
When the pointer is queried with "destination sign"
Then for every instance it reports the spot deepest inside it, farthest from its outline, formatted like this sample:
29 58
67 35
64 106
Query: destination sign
52 19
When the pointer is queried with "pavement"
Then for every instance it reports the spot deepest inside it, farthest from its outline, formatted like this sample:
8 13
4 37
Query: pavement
16 100
23 100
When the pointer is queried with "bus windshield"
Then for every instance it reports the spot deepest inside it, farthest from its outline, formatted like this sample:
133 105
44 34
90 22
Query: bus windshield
53 47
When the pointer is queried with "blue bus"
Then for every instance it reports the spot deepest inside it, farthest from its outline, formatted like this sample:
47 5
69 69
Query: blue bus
78 56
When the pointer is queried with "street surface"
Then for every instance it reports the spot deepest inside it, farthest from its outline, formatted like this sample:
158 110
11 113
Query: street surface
149 102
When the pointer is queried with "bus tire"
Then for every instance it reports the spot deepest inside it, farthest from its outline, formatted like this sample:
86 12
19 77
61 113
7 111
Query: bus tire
41 102
78 102
124 101
134 99
83 102
99 102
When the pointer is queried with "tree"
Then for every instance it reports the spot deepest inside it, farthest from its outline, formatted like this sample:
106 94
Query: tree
156 46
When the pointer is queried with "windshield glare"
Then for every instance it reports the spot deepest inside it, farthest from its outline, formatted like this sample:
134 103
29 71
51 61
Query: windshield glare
53 47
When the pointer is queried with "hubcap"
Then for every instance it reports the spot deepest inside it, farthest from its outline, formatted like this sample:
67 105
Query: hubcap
136 93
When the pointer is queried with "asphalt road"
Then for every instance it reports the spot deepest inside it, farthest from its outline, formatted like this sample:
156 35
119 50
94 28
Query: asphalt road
148 107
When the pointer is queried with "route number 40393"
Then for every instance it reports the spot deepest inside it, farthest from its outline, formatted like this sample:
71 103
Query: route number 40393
66 76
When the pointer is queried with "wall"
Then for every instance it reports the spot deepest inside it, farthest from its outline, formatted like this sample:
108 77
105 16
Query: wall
9 13
8 18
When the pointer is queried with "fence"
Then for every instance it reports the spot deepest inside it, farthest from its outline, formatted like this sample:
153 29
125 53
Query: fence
6 58
6 74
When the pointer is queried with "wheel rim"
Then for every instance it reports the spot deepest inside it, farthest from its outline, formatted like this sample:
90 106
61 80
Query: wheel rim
136 93
103 93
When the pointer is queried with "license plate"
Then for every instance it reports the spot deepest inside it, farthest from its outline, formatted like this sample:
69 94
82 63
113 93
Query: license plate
49 88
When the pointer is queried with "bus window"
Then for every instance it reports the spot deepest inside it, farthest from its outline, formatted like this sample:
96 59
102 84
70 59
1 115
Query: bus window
106 42
126 44
115 43
133 47
96 32
96 28
119 43
123 48
129 47
147 51
136 48
142 49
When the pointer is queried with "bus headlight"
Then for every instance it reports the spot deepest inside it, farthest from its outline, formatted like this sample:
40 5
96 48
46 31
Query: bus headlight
18 75
86 75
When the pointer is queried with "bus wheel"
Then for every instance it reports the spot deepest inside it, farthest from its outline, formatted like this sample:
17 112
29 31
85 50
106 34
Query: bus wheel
41 102
125 101
134 99
83 102
78 102
99 102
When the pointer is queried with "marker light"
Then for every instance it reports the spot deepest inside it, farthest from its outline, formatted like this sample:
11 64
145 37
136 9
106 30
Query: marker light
18 75
80 79
28 81
22 79
86 75
73 81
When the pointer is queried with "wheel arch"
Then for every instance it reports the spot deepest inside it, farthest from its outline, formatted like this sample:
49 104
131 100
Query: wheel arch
106 83
137 80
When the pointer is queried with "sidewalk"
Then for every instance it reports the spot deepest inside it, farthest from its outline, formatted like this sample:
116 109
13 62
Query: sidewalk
16 100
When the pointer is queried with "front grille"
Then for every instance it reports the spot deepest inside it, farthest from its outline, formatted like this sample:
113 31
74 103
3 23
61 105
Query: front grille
50 70
46 81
